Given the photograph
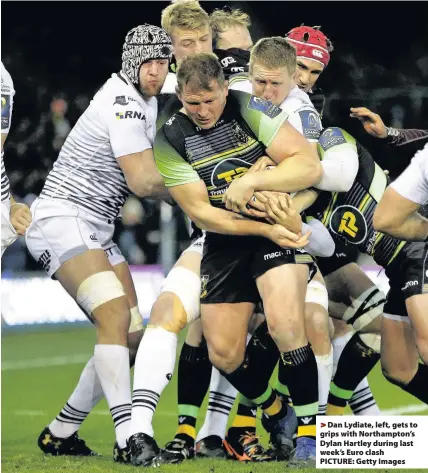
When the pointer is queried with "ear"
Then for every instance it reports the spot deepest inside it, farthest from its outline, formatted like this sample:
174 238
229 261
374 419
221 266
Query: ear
226 88
177 91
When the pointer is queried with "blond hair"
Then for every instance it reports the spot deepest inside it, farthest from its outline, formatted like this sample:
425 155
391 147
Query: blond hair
274 52
222 20
185 14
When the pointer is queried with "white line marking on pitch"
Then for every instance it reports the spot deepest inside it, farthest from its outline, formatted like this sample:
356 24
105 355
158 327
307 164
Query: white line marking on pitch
412 409
46 362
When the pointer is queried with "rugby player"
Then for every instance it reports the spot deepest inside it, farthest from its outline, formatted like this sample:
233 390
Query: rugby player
215 117
15 217
107 155
349 216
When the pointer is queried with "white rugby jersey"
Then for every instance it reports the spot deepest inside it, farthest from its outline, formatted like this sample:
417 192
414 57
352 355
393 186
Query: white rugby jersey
413 182
302 115
7 93
117 122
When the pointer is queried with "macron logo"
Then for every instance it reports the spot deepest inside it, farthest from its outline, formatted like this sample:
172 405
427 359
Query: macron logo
409 284
273 255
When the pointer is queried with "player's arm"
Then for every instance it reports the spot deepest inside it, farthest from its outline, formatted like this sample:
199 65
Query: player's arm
190 193
142 175
127 126
374 126
396 212
338 152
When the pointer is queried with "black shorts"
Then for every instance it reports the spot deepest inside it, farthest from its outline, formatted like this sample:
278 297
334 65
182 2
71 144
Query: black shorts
343 255
408 276
230 266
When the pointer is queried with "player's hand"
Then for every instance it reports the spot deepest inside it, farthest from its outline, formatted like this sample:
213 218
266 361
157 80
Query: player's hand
372 122
20 218
238 194
286 239
257 205
281 210
262 163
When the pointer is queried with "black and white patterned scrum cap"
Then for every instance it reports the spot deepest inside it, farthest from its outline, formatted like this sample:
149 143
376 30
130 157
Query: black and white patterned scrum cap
142 43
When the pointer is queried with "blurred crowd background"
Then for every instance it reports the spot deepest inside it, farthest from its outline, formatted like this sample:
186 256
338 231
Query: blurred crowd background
60 53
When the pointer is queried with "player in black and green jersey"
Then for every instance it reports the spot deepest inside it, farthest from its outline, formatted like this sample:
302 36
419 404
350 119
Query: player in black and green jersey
200 152
349 218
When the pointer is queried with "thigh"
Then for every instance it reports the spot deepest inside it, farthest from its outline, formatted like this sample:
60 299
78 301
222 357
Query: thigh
225 326
399 354
417 309
124 275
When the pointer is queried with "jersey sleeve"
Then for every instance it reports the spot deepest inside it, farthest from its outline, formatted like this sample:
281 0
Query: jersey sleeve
264 118
306 121
240 82
412 184
7 93
127 127
173 167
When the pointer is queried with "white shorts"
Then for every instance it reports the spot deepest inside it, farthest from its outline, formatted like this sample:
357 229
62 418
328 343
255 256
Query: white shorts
61 230
8 233
197 246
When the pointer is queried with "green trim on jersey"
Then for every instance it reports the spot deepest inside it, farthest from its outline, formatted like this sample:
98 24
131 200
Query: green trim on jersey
264 118
174 169
240 77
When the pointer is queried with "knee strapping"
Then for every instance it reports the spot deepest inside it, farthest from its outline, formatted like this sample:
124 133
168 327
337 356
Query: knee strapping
365 308
317 294
98 289
186 285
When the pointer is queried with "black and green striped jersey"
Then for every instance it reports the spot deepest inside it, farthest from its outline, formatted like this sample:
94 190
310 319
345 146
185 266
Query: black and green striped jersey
349 215
184 153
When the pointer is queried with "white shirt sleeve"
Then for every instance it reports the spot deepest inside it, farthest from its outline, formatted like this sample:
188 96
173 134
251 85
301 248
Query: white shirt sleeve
7 93
412 184
242 85
320 242
127 127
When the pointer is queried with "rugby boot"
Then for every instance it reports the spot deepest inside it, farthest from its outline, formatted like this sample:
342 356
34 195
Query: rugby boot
142 449
210 447
121 455
247 448
304 455
72 446
282 432
174 452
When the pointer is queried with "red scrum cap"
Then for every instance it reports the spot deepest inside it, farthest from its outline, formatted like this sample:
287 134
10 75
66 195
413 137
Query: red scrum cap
310 43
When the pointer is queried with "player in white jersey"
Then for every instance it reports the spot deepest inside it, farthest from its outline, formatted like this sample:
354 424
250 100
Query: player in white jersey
406 195
107 155
15 217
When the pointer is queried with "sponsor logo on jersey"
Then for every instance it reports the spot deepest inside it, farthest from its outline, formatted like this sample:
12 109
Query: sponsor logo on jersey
264 106
410 284
123 100
311 124
130 114
348 222
93 237
228 170
45 260
331 137
5 111
275 254
227 61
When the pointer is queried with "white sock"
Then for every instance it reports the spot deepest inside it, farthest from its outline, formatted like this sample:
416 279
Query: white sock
325 374
153 370
362 401
87 394
221 399
339 344
112 366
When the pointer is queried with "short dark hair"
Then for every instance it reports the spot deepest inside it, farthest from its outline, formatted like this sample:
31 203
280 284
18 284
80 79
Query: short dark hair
200 70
